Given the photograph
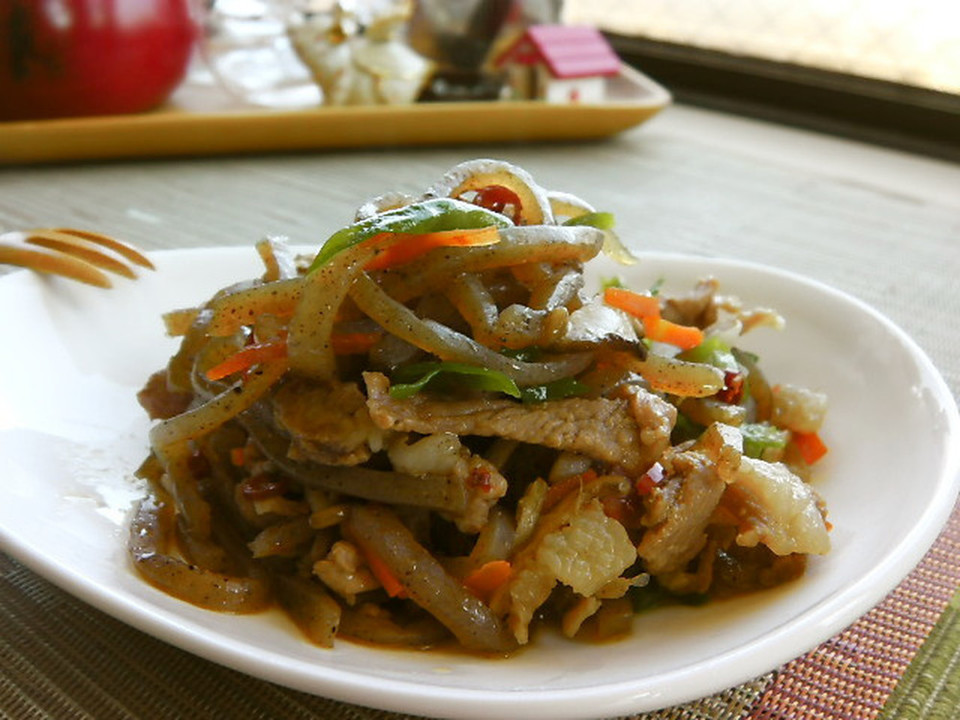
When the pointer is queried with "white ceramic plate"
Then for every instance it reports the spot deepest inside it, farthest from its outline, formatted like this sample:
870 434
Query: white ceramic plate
71 433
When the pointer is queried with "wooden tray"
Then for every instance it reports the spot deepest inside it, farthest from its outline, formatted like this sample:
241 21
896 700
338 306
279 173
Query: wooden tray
187 126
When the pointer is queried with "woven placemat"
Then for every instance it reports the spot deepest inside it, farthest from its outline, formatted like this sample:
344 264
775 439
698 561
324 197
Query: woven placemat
852 675
61 658
930 688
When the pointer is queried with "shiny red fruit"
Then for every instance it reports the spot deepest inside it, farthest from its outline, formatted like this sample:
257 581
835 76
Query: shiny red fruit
61 58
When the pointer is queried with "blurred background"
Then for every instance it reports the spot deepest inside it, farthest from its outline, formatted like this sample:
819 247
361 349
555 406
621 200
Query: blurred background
884 71
915 43
887 71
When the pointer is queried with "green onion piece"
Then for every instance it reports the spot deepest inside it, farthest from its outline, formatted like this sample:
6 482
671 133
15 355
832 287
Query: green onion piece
746 356
612 245
712 351
758 437
411 379
436 215
599 220
685 429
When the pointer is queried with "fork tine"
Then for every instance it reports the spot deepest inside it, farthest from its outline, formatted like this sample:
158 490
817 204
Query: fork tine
118 246
54 263
78 247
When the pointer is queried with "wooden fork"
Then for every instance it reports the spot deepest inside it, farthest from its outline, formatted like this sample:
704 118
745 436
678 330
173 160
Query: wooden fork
78 254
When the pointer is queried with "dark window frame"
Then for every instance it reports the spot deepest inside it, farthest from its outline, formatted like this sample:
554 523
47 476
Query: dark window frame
885 113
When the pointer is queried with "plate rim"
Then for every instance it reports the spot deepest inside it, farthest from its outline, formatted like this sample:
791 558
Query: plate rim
631 696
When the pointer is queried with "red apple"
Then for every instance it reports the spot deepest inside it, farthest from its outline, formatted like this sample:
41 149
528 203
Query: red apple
62 58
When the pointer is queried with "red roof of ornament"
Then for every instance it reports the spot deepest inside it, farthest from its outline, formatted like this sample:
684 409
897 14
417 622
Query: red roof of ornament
568 51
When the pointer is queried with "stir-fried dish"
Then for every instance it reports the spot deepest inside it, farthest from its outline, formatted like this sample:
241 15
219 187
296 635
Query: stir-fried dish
432 431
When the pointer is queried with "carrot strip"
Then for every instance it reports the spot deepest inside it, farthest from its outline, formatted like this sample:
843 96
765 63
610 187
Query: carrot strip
488 578
237 456
647 309
810 445
246 358
684 337
644 485
384 575
641 306
564 487
400 248
353 343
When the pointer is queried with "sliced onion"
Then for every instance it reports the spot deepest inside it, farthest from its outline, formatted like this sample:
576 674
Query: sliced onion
278 260
614 248
496 539
759 388
595 324
706 411
567 205
177 322
475 175
382 203
570 206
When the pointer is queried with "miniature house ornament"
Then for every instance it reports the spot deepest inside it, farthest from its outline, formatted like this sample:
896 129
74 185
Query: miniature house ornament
559 64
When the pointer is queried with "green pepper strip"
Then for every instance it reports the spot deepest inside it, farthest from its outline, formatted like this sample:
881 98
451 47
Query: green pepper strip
411 379
556 390
436 215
